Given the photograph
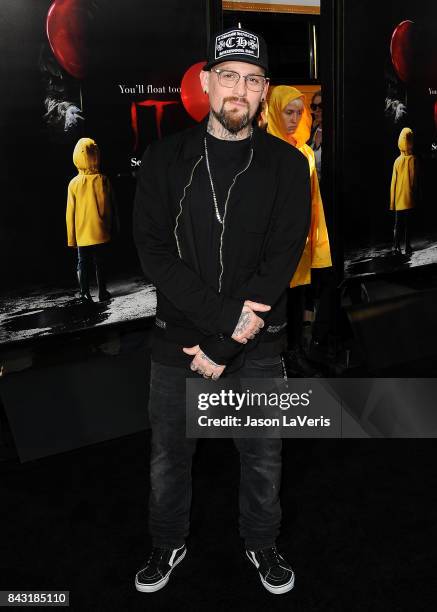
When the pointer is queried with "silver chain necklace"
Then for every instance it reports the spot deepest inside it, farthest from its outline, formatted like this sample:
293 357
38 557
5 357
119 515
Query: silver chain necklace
214 197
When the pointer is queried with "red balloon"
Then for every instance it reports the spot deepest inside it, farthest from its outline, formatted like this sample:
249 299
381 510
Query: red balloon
402 52
428 56
195 102
67 27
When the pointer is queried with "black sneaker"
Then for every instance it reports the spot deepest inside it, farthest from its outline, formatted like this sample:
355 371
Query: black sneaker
156 573
275 573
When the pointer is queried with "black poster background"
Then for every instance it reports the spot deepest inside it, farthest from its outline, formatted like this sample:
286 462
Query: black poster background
130 42
370 140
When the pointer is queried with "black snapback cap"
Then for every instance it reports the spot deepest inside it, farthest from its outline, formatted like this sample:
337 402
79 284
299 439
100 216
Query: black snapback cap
238 45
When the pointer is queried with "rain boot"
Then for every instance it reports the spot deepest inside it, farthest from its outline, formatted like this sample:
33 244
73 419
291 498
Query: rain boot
396 248
104 294
82 277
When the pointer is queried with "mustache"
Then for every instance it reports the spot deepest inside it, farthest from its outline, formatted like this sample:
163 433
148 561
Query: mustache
235 99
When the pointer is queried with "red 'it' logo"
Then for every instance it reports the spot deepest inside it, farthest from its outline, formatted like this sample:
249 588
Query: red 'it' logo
159 112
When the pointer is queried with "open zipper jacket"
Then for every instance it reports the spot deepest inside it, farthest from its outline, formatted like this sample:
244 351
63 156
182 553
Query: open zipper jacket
264 233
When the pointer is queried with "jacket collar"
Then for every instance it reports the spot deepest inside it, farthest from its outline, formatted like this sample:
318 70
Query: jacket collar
193 145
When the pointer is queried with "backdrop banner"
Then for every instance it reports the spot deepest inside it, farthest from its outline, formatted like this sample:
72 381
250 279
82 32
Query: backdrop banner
109 72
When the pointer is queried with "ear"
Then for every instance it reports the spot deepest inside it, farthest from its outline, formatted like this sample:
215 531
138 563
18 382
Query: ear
265 90
204 80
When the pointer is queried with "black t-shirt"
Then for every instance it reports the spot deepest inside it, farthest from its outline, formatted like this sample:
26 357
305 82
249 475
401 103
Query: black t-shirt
226 160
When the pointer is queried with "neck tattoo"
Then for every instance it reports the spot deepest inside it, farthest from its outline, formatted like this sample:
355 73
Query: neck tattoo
219 131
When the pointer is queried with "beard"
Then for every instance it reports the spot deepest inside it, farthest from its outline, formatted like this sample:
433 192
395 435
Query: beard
230 120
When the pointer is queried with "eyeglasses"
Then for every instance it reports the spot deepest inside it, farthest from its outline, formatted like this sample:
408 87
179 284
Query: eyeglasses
229 78
314 107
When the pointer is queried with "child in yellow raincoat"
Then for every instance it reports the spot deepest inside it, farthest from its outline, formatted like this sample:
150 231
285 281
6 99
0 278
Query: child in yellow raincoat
90 216
290 119
403 191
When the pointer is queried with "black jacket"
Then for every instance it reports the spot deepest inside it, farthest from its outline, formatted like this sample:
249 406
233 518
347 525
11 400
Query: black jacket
264 232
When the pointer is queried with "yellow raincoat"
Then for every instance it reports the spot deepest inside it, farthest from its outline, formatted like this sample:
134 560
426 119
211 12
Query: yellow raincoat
317 253
404 178
89 210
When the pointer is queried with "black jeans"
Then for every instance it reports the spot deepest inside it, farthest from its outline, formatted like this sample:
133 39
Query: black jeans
171 456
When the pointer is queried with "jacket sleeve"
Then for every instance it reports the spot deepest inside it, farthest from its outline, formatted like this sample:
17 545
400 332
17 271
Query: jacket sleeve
153 228
285 243
70 214
393 188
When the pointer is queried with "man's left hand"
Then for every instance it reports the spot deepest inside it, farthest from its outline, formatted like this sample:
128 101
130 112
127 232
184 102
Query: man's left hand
203 364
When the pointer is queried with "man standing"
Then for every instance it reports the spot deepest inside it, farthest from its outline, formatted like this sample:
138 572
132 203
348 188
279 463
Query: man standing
222 212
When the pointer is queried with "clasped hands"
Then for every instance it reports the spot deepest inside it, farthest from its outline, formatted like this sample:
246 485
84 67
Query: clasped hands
249 324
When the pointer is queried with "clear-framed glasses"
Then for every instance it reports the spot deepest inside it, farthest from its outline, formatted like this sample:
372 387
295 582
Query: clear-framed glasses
229 78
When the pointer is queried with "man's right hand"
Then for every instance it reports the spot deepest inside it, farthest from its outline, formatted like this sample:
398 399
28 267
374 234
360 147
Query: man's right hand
249 324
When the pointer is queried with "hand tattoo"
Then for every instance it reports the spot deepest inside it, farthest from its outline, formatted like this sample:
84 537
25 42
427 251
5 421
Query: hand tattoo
243 323
203 356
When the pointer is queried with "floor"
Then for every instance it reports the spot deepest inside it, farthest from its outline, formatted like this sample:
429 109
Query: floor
47 311
358 527
379 258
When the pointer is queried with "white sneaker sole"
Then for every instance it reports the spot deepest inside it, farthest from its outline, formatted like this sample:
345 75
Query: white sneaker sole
284 588
151 588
